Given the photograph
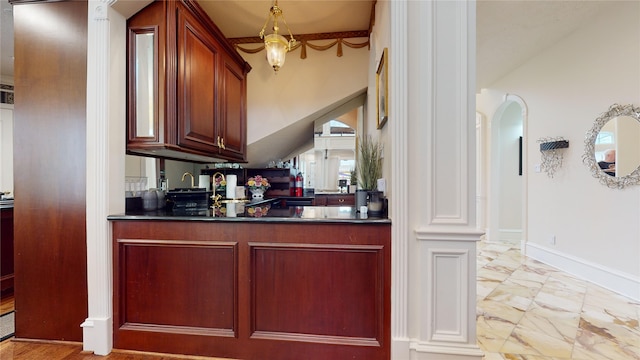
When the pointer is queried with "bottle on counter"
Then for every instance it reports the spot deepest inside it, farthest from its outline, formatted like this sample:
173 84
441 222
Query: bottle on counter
163 183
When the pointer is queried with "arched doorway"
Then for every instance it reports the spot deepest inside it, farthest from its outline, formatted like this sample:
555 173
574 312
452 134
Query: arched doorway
507 177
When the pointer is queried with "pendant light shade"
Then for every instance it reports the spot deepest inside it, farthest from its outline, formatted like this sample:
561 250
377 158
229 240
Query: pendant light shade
276 47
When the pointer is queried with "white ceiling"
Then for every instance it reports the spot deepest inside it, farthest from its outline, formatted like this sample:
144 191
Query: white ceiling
245 18
511 32
508 32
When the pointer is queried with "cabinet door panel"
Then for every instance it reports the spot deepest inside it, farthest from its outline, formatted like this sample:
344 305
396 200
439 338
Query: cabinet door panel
233 110
197 109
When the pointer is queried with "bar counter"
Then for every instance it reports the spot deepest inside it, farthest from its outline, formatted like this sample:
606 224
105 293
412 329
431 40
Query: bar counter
262 211
253 282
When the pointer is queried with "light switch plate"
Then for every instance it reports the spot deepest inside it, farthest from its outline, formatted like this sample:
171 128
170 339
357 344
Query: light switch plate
382 185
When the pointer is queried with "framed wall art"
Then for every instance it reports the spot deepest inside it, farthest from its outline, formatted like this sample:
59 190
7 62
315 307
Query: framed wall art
382 90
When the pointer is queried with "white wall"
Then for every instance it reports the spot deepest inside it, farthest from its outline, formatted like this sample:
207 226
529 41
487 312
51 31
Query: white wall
627 135
6 148
278 100
380 39
509 183
566 88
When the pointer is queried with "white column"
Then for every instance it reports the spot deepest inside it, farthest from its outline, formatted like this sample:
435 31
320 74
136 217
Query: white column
399 201
105 166
442 203
481 172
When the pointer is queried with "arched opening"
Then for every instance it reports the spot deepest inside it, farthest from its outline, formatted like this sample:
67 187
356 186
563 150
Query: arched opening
507 177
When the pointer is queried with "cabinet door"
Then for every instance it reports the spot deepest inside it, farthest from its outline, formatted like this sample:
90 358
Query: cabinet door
233 105
146 39
198 58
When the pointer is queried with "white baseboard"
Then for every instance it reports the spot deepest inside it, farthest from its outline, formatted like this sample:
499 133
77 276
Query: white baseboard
510 235
400 349
431 351
97 335
611 279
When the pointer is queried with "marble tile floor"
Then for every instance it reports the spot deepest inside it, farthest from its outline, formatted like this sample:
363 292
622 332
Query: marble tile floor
527 310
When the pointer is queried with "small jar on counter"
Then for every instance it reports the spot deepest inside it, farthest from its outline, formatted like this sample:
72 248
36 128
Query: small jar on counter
160 199
149 200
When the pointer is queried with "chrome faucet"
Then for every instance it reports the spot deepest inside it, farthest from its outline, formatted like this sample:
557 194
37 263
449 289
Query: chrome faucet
192 179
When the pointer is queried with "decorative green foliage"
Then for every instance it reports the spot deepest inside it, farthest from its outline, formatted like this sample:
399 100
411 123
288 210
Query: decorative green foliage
369 163
353 177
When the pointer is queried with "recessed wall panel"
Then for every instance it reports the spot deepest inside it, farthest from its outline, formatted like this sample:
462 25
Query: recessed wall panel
180 285
321 291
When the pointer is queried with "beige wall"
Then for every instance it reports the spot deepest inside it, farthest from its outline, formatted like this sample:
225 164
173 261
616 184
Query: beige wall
566 88
279 100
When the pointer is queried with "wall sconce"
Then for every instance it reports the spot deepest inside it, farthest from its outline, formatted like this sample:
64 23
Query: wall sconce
275 44
552 159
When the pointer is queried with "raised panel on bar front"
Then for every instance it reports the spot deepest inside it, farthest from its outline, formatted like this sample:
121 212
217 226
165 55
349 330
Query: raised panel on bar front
169 285
318 293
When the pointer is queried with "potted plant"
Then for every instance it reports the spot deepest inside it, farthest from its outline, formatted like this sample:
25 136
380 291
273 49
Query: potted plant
369 169
353 181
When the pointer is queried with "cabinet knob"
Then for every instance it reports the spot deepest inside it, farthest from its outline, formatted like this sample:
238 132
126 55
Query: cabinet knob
341 200
219 141
222 144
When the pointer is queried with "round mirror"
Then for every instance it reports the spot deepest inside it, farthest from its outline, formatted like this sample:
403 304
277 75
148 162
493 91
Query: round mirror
612 147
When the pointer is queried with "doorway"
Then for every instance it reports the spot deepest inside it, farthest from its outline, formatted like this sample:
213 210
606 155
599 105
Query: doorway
508 172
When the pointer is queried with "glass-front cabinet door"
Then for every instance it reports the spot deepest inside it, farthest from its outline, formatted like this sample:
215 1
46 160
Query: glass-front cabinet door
143 84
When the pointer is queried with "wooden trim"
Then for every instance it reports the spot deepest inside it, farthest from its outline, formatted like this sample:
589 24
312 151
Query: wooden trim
306 37
321 339
172 329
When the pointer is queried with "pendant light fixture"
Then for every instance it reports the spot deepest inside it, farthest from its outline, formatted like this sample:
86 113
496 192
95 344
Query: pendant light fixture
275 44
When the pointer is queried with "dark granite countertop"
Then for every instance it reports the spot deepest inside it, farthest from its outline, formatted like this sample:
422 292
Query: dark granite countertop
263 211
6 204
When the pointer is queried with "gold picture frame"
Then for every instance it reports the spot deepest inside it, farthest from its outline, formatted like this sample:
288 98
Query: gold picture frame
382 90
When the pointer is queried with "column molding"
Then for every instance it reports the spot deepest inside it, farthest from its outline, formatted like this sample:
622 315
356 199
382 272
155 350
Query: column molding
398 77
97 328
442 312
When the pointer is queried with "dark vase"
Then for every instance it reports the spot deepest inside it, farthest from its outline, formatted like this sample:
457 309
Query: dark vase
375 203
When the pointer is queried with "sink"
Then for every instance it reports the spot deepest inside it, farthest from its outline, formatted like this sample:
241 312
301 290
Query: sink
181 199
187 189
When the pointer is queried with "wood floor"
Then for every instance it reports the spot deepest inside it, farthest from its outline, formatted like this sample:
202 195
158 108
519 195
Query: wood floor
32 350
7 304
12 349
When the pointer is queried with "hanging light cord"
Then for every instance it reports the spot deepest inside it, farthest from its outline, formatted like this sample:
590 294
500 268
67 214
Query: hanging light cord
275 12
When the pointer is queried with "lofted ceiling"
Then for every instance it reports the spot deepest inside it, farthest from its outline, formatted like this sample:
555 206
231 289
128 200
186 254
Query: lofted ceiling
245 18
508 32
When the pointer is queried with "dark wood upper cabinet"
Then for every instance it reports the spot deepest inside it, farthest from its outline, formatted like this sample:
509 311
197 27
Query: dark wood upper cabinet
198 110
233 109
192 106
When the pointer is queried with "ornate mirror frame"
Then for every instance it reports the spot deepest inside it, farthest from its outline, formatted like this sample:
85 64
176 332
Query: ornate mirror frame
589 156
